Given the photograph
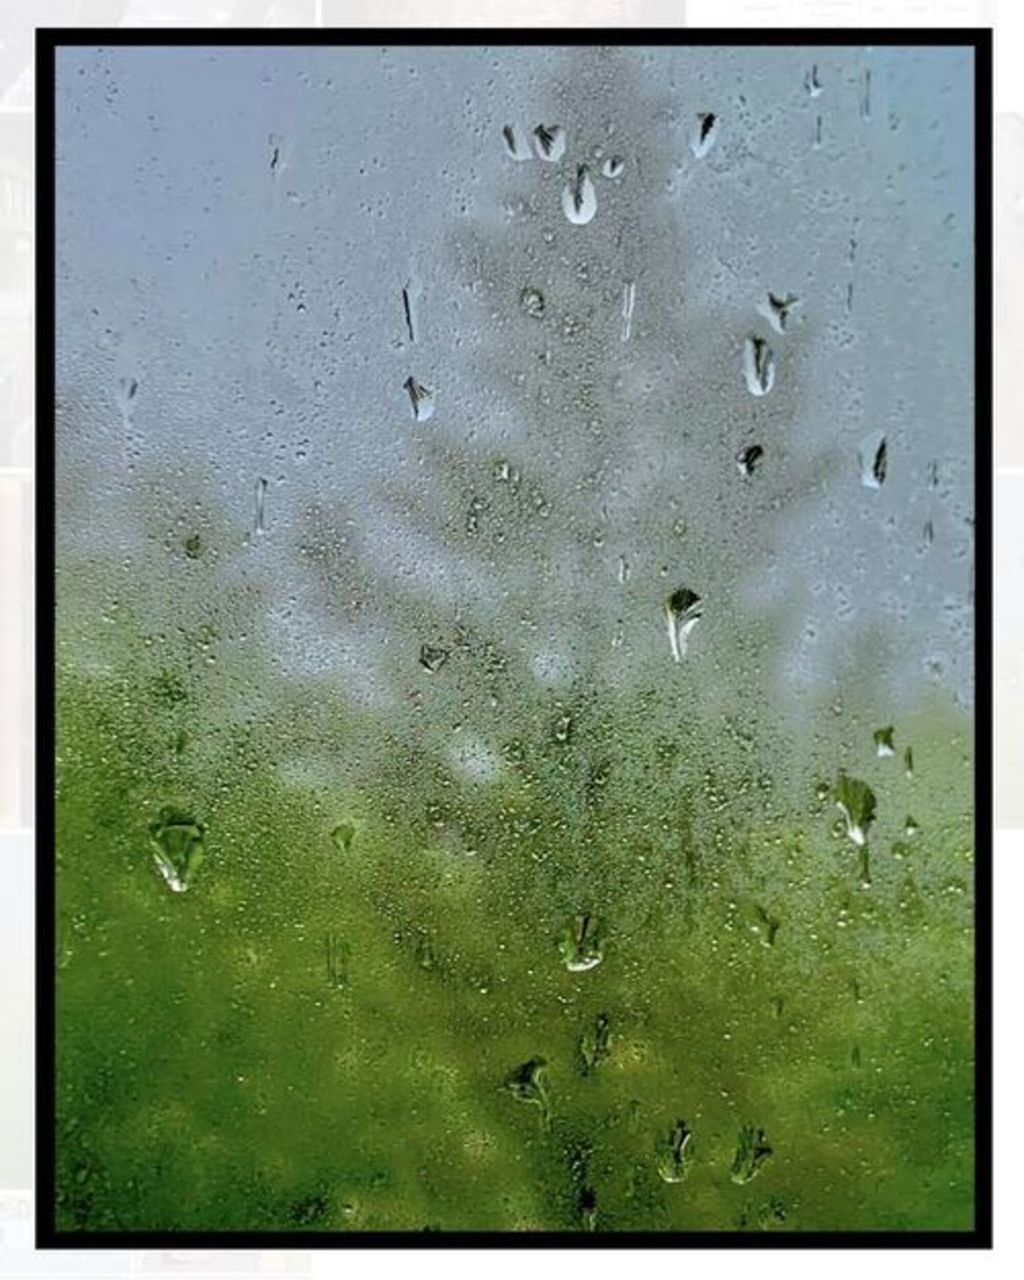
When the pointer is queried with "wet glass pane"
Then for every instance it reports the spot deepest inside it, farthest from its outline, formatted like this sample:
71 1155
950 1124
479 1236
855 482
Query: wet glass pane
514 638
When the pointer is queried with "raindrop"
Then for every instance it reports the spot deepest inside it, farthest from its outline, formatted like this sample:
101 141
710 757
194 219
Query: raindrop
758 366
623 569
528 1084
748 458
581 947
336 956
505 472
588 1208
705 134
595 1044
532 302
883 742
908 762
613 167
343 835
865 100
873 454
767 926
776 309
514 144
421 398
177 847
682 612
910 826
579 198
549 142
193 546
127 389
752 1152
261 498
674 1152
628 303
811 82
856 802
407 310
432 658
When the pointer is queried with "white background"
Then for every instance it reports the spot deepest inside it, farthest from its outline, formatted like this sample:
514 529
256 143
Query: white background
16 493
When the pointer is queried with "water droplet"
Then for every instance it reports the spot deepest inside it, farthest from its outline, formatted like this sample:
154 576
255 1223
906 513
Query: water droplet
811 82
409 297
908 762
595 1044
563 727
515 145
587 1205
433 658
758 366
766 926
856 802
748 458
752 1152
127 389
682 612
532 302
528 1084
674 1152
336 955
705 134
910 826
549 142
261 498
421 399
628 303
613 167
579 197
581 947
177 847
506 473
343 835
623 569
776 308
873 455
883 742
865 97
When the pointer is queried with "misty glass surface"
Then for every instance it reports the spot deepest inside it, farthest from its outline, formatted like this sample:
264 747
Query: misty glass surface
515 654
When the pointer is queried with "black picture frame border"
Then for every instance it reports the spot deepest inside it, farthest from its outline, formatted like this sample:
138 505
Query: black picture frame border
48 41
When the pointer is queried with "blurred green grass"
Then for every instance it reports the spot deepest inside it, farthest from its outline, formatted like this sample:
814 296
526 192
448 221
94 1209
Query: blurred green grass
215 1072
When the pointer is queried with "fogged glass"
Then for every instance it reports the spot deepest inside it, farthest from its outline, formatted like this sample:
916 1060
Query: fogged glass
515 638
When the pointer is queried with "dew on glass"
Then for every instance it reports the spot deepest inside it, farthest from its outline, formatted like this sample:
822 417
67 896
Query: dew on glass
704 134
516 146
748 459
758 366
421 399
549 142
579 197
683 610
873 454
674 1152
883 741
752 1153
